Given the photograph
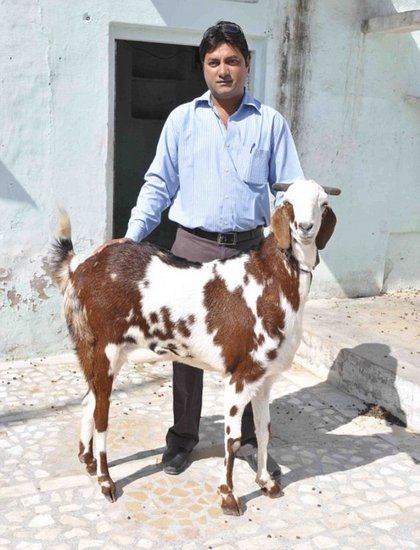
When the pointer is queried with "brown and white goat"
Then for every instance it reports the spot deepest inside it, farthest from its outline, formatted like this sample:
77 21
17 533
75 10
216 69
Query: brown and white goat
240 317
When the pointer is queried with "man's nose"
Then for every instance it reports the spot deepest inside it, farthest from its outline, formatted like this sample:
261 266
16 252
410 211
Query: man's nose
223 69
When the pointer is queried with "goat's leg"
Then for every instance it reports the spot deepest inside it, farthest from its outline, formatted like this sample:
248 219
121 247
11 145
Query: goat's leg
86 434
234 407
261 410
103 389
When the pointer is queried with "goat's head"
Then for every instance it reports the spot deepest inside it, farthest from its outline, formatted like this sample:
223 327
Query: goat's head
304 216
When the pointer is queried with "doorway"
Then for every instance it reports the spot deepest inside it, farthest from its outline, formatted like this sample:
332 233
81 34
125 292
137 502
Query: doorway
151 80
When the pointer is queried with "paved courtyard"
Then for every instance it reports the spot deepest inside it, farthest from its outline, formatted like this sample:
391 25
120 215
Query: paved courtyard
350 481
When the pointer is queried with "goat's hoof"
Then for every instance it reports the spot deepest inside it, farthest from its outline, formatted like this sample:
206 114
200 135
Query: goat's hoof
111 497
231 505
272 492
108 490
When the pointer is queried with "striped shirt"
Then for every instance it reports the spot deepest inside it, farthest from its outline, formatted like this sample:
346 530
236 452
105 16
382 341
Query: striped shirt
212 177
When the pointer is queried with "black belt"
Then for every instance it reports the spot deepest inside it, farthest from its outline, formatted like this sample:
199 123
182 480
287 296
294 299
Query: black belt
230 238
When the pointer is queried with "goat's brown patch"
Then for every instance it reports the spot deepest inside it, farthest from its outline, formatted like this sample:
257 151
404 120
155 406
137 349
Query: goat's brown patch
278 274
228 430
247 371
234 333
118 300
233 411
168 331
183 326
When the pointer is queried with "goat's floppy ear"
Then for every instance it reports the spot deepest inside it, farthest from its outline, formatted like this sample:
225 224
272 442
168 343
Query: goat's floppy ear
327 228
280 224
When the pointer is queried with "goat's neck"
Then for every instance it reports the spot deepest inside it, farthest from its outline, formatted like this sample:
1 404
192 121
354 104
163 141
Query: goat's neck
305 255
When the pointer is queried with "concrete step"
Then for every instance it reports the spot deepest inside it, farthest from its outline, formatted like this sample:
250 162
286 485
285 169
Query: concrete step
368 347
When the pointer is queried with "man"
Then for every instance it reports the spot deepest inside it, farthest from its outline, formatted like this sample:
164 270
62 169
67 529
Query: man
216 159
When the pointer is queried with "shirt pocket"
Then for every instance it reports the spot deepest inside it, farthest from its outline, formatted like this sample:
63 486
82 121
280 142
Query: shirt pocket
256 171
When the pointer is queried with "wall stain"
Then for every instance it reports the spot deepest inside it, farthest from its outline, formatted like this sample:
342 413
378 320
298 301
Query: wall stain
295 55
39 284
15 299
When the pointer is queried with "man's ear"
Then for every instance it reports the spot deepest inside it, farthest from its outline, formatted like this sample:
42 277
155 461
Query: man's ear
328 222
280 224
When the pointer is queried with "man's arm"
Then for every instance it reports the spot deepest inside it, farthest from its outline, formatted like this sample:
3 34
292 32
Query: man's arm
161 184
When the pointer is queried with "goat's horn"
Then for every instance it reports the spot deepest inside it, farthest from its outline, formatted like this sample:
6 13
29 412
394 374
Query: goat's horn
331 190
281 186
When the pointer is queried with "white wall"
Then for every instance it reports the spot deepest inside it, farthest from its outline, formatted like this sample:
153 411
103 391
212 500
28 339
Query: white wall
353 130
357 131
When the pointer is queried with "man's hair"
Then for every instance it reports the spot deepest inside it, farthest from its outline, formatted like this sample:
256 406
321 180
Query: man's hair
224 32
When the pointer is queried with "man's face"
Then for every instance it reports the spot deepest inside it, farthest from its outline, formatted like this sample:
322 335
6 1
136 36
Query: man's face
225 72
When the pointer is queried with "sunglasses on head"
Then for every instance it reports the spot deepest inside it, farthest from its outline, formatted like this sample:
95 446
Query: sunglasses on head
230 28
233 28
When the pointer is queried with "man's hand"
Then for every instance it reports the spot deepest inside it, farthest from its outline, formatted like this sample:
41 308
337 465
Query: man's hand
112 241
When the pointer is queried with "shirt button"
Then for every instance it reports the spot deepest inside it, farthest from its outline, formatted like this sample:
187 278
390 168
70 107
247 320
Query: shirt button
226 169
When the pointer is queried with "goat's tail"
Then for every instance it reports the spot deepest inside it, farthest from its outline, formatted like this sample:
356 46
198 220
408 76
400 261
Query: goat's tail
61 252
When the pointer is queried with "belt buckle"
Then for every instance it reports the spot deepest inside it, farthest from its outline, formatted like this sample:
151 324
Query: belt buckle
227 239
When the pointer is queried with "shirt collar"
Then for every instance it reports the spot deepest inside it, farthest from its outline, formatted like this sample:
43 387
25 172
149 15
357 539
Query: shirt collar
247 100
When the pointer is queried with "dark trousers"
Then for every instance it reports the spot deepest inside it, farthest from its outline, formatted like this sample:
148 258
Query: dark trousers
188 381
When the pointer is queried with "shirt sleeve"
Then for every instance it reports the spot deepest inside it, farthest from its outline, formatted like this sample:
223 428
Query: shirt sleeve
161 184
284 163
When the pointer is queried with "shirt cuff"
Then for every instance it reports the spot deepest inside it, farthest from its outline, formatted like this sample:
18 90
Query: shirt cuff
279 198
136 231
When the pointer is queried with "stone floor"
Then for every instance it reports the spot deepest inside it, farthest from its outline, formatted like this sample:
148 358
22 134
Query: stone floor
350 481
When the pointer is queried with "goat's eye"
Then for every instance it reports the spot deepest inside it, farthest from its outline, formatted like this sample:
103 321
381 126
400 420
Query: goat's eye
324 205
286 203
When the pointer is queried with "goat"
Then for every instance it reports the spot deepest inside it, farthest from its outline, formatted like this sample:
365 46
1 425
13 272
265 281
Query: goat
240 317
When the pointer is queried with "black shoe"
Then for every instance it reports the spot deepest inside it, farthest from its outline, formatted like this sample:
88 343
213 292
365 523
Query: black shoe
175 460
273 468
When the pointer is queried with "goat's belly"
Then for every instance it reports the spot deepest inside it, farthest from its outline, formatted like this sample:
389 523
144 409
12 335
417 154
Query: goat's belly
146 356
195 347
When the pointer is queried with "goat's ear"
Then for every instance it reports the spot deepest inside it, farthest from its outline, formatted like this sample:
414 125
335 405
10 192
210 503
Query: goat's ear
280 224
327 228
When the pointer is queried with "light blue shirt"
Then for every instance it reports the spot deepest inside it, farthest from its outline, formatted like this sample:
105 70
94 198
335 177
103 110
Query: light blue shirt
212 177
